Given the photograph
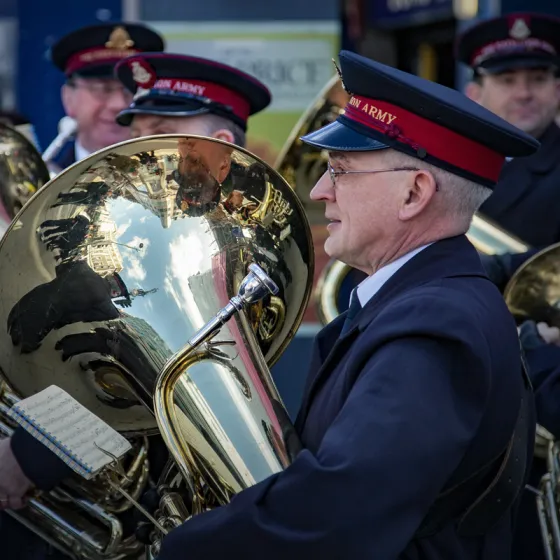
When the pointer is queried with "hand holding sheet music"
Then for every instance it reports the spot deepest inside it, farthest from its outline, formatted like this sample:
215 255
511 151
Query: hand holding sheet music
70 430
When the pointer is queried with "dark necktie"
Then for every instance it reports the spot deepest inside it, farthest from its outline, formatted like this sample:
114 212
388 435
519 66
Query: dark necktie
353 310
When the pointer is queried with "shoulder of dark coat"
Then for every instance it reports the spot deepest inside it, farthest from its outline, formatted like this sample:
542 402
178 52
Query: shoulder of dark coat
468 309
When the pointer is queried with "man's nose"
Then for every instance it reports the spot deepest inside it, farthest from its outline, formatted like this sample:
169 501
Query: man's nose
323 189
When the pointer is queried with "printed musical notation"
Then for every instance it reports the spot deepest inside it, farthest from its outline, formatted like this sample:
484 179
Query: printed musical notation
70 430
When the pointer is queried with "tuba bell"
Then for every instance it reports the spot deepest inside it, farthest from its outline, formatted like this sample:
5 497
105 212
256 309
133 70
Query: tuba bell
129 255
303 165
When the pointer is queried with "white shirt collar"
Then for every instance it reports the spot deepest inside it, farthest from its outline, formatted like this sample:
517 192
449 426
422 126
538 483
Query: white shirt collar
367 288
80 152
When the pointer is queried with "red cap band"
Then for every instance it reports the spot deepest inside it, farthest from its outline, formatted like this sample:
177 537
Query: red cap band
96 55
507 46
214 92
420 133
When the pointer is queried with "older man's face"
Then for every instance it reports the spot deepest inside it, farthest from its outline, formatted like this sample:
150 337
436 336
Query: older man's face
362 208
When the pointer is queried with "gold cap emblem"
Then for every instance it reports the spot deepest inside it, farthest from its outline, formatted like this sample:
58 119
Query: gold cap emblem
119 39
519 30
338 71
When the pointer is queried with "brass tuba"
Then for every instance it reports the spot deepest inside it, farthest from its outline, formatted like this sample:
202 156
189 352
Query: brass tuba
113 266
303 165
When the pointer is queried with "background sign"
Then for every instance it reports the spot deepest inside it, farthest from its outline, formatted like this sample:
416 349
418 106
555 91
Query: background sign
402 13
294 59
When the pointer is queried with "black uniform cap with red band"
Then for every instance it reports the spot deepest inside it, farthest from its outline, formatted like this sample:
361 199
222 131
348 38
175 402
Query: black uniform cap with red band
509 42
183 86
93 51
389 108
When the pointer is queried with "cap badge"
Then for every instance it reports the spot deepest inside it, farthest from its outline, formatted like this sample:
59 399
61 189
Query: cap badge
119 39
339 72
142 73
519 30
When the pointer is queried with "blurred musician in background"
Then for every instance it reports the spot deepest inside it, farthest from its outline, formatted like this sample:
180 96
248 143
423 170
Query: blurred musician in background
91 95
541 345
179 94
514 61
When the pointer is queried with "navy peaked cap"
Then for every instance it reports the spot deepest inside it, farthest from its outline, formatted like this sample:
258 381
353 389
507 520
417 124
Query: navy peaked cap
389 108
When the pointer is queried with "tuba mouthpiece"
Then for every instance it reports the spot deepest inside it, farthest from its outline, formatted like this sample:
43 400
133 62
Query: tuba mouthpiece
256 285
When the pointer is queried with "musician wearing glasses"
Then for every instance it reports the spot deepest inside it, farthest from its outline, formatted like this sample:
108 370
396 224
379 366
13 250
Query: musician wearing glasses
514 61
91 95
416 420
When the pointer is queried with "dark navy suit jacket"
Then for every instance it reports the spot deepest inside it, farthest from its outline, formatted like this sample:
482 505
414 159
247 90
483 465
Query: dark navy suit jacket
423 390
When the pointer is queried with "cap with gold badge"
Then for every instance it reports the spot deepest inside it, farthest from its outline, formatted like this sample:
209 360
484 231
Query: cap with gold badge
93 51
518 40
389 108
178 85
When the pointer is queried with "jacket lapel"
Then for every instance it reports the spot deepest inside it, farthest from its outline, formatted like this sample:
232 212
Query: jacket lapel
516 178
447 258
331 349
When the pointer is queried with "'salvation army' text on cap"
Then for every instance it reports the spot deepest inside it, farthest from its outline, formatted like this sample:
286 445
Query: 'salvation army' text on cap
182 86
389 108
519 40
93 51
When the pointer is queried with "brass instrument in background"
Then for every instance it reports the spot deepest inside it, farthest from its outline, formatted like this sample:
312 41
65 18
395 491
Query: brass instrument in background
533 293
109 269
22 170
303 165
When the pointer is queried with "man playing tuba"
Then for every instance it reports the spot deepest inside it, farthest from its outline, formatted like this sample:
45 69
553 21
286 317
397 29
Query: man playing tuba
416 420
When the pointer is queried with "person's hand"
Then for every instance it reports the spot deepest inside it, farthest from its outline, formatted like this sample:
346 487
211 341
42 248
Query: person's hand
14 485
551 335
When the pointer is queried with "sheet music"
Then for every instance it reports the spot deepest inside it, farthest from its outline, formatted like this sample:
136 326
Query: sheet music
70 427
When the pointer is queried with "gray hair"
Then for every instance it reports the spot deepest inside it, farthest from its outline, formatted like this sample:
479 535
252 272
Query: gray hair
215 122
461 197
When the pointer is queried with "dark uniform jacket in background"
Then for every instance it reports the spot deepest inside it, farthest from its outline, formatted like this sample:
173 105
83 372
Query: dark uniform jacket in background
526 200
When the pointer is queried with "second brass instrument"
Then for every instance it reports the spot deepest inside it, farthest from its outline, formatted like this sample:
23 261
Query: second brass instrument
126 255
22 171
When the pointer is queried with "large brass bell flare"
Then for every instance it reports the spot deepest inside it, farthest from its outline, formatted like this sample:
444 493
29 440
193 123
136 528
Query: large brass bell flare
109 270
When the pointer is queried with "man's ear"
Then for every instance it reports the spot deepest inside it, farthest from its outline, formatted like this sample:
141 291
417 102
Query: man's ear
68 97
225 135
419 192
473 91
